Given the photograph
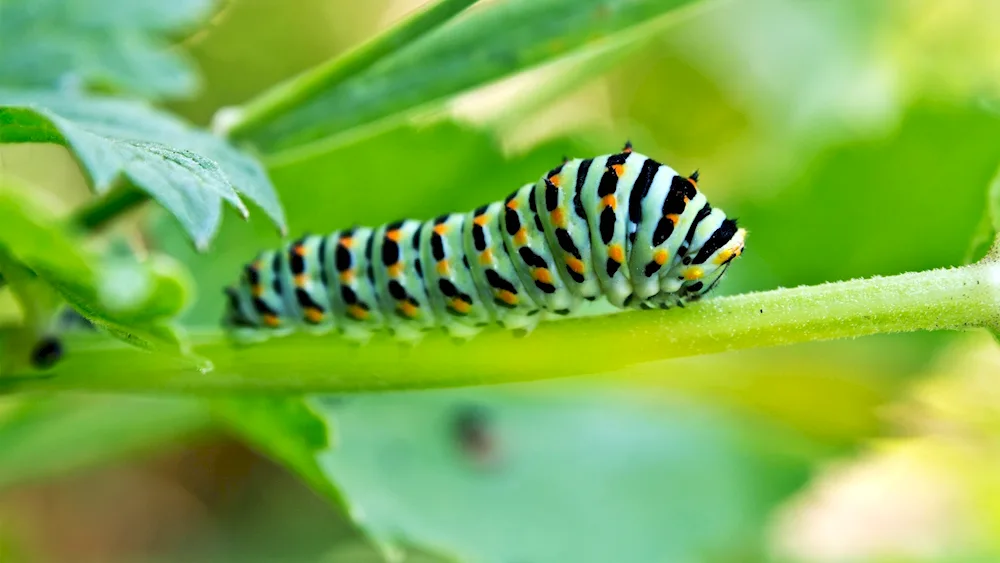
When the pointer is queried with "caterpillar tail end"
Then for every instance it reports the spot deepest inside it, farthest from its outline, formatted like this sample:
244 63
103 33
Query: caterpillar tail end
236 325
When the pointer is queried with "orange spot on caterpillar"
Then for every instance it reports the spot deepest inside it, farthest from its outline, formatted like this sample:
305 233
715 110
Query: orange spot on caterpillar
610 201
693 273
346 242
301 280
394 235
619 169
575 264
558 217
542 274
395 270
660 257
441 229
728 254
481 220
506 296
486 257
357 312
300 250
459 305
556 180
616 253
313 314
512 204
272 321
257 290
443 268
674 218
408 309
521 236
347 276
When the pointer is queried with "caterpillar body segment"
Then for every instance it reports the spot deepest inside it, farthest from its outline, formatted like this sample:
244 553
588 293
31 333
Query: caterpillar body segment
566 228
399 279
494 271
524 235
459 301
621 226
350 270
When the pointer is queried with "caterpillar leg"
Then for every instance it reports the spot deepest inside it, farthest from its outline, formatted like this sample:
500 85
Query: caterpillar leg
357 333
668 300
462 333
246 336
406 334
522 322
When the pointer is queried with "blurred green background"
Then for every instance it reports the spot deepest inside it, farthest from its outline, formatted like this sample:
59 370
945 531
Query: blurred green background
852 138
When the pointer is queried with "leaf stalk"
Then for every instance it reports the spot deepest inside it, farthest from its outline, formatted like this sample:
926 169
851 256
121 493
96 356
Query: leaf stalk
941 299
292 93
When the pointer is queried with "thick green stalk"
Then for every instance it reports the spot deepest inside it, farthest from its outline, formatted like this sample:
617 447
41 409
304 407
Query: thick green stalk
943 299
294 92
104 210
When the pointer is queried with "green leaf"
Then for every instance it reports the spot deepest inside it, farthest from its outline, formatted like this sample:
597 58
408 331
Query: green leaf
398 451
495 41
989 225
982 239
42 437
284 428
157 290
358 552
112 44
461 472
188 171
866 210
33 236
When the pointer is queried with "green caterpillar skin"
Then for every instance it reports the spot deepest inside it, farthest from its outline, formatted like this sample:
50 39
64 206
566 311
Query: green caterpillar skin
620 226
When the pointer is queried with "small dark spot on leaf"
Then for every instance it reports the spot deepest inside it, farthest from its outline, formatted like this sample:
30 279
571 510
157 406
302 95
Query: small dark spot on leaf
473 432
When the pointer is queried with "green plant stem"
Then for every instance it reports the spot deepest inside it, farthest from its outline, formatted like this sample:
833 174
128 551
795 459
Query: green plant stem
108 208
292 93
943 299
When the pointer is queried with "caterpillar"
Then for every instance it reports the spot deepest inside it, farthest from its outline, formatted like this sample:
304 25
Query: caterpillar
621 226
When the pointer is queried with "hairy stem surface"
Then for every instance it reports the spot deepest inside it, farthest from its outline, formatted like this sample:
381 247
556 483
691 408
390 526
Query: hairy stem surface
943 299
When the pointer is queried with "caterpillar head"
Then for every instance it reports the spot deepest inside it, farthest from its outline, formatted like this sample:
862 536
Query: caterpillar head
717 242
